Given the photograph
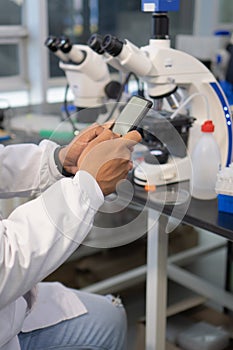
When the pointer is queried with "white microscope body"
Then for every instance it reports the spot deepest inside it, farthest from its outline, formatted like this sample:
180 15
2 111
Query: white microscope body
164 69
86 72
87 79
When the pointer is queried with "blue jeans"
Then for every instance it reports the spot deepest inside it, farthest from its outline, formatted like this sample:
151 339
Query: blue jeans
104 327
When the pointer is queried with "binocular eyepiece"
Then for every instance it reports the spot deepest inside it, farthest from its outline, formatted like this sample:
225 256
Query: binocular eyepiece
109 44
95 43
62 43
51 43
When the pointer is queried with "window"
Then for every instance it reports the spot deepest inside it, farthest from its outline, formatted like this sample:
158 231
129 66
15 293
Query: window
9 55
11 12
76 19
225 11
12 45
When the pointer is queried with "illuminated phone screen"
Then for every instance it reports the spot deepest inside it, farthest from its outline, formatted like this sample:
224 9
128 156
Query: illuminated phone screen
131 115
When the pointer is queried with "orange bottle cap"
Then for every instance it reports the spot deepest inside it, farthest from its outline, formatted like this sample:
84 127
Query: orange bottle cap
149 188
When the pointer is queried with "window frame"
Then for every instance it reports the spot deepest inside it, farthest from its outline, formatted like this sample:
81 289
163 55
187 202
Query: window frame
16 35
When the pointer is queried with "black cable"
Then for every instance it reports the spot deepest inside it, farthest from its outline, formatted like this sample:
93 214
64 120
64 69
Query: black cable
121 92
140 87
67 111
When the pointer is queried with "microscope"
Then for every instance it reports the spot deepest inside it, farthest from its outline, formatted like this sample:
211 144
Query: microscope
87 74
183 91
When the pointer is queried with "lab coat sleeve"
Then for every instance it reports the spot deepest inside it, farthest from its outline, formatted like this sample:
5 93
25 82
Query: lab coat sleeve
27 169
41 234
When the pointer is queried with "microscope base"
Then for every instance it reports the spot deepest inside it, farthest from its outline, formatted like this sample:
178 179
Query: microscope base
175 170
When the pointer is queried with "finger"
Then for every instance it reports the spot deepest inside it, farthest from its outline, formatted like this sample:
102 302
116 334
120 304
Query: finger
105 135
108 124
98 130
131 138
133 135
93 131
88 134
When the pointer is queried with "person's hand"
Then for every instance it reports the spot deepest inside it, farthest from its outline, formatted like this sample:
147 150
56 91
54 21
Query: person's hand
108 158
70 154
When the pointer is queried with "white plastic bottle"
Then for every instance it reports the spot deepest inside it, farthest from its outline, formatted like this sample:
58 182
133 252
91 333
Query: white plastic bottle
206 162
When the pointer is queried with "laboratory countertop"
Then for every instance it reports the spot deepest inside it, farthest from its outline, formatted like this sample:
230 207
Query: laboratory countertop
20 136
200 213
30 128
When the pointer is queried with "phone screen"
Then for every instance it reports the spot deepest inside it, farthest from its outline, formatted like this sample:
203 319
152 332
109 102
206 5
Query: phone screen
131 115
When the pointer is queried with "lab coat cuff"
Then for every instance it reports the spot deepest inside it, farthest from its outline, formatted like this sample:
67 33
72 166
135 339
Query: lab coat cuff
52 165
88 182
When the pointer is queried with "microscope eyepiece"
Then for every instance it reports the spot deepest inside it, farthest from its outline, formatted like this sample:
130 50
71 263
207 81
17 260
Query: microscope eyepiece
52 43
95 43
64 44
112 45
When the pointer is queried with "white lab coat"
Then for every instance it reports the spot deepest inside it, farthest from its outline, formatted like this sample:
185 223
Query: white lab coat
39 236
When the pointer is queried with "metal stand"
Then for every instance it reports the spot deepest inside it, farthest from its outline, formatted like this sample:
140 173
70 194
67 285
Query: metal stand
156 287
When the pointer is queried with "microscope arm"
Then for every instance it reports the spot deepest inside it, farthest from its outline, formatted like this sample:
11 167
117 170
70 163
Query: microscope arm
87 79
86 71
164 69
179 69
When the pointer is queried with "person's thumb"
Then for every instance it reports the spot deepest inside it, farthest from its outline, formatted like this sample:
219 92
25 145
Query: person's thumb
133 135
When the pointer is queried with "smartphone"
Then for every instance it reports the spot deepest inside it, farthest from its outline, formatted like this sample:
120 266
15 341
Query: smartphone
131 115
